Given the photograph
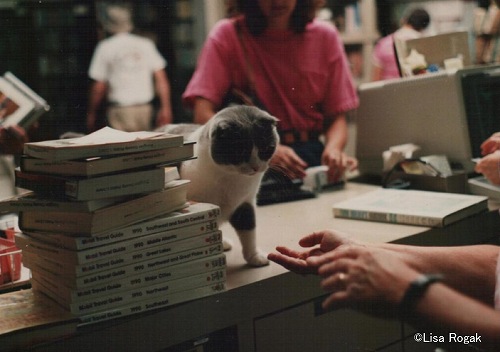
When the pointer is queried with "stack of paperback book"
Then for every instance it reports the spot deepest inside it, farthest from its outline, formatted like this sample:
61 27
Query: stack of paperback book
106 227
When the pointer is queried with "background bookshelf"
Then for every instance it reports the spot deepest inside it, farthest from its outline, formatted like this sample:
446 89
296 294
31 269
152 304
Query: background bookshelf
357 22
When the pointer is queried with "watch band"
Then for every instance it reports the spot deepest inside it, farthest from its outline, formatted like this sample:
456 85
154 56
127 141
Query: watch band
416 290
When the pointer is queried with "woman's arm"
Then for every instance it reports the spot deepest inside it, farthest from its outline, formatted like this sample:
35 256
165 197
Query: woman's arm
468 269
333 154
162 87
203 109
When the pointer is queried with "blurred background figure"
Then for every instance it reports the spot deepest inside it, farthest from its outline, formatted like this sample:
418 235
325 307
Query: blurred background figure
12 140
126 70
384 59
486 30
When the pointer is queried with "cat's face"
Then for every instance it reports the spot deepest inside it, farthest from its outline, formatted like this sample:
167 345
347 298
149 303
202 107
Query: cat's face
243 139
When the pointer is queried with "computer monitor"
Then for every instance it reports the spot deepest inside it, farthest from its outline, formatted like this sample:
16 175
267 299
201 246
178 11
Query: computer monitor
447 113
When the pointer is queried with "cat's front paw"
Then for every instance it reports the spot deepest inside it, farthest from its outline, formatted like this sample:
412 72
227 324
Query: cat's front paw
227 244
257 259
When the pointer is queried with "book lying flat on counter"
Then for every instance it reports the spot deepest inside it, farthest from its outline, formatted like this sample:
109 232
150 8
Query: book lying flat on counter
153 303
128 250
86 275
411 207
106 141
98 165
29 201
134 295
115 185
141 278
173 197
203 214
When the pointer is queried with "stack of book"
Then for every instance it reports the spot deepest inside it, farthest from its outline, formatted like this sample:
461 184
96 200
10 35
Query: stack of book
106 227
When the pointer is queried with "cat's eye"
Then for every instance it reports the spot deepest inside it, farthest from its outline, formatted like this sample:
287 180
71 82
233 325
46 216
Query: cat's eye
266 152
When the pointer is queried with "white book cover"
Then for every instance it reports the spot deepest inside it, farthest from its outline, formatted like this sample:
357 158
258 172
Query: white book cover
154 303
162 274
424 208
194 213
106 141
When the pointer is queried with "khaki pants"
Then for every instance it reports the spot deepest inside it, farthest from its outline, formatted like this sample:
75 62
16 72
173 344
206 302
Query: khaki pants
130 118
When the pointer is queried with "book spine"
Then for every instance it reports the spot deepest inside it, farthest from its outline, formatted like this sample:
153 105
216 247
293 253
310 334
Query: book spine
56 151
155 303
58 167
167 273
128 183
140 293
122 253
206 220
42 204
387 217
116 216
86 276
50 187
111 250
101 166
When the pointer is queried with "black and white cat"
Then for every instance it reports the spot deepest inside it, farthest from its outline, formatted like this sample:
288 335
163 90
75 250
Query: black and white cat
233 150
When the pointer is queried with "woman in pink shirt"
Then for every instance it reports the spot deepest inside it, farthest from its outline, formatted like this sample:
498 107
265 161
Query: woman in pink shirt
300 73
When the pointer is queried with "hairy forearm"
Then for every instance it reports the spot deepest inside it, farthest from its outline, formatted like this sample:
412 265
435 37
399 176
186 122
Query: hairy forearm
468 269
203 110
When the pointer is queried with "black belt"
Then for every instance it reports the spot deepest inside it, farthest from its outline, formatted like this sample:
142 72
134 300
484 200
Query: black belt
290 137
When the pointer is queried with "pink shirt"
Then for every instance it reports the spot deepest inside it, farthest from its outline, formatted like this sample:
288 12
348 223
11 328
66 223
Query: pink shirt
299 78
383 53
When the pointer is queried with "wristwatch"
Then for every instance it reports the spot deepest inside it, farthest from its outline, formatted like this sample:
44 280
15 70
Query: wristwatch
416 290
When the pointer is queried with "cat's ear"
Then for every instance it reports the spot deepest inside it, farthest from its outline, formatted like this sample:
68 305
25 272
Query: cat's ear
270 118
221 129
267 119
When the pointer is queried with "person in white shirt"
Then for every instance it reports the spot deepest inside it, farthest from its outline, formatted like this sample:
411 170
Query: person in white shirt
126 69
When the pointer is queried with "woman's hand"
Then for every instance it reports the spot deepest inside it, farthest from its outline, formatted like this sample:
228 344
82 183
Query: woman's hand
287 161
491 145
317 244
338 162
367 277
489 166
12 139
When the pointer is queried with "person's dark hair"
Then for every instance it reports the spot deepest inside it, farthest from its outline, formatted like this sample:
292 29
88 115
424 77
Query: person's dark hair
419 19
303 14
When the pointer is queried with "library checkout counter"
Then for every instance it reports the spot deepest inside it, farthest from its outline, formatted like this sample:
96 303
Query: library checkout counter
271 309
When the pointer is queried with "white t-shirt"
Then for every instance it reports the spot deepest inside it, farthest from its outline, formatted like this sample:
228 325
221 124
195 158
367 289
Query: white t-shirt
127 62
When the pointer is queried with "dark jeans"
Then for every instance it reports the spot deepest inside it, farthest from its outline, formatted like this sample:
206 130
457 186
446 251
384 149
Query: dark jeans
310 151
